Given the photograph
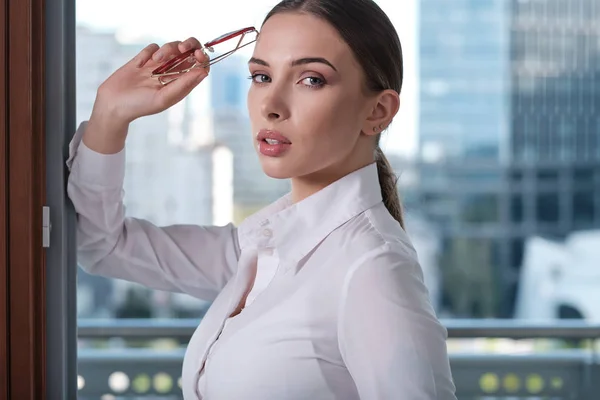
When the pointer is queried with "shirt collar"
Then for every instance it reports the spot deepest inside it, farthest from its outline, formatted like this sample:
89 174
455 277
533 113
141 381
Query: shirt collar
296 229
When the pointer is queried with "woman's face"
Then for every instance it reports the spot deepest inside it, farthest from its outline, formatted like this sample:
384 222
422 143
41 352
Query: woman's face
307 102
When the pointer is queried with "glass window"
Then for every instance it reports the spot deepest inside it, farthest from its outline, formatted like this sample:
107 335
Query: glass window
547 207
480 209
517 246
516 208
583 207
583 176
547 176
494 97
516 176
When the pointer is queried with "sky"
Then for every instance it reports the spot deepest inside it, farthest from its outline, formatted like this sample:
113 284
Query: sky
161 21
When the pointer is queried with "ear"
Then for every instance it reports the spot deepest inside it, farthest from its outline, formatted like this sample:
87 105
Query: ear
384 108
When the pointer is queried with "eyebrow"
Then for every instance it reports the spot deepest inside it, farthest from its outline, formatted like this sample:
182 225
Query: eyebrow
301 61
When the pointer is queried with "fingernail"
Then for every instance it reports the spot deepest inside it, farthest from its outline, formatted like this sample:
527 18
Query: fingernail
158 56
185 46
202 75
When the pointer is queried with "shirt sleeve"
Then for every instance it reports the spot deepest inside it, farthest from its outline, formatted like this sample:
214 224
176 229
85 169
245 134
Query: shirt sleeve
389 337
197 260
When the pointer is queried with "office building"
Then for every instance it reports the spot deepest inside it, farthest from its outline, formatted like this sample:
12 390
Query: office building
513 159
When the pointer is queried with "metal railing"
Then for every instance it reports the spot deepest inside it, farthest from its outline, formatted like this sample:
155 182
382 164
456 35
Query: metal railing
572 374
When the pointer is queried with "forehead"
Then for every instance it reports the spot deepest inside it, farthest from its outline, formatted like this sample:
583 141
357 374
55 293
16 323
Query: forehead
288 36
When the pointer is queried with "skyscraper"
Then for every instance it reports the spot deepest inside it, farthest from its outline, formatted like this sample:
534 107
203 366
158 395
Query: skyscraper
509 134
555 123
556 81
464 80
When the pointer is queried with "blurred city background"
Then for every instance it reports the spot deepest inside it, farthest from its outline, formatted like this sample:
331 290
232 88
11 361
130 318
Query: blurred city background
497 148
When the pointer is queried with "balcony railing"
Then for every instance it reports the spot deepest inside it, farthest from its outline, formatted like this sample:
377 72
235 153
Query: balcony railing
558 373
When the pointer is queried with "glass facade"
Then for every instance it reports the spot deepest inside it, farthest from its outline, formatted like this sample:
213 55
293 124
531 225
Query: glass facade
555 67
509 136
463 79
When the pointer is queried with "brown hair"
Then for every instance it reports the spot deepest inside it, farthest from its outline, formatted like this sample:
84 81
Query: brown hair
375 43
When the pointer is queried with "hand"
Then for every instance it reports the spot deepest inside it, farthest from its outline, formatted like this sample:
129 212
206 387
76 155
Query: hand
130 92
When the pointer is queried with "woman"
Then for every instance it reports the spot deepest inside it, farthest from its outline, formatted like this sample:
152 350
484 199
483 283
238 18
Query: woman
320 295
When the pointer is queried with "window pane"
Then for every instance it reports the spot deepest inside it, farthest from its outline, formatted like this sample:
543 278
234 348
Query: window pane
496 145
516 209
480 209
583 208
547 207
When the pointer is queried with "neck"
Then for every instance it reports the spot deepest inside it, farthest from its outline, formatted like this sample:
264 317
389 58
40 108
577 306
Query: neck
307 185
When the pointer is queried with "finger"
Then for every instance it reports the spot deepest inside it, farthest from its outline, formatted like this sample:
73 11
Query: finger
144 56
168 50
203 59
188 44
181 87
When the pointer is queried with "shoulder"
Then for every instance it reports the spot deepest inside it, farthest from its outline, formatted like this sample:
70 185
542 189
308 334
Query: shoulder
383 259
391 270
368 251
371 234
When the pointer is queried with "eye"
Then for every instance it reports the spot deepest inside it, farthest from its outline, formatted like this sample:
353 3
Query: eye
260 78
313 81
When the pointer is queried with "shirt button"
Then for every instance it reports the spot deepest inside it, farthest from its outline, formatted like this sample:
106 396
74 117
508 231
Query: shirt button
268 232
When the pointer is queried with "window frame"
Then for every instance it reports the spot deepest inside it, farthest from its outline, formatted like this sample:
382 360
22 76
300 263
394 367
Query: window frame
37 108
23 336
61 257
4 363
38 318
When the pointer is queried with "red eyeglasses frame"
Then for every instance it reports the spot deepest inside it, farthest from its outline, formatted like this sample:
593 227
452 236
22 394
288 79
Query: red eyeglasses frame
163 70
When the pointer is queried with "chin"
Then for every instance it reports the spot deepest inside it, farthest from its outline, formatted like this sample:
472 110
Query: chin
276 168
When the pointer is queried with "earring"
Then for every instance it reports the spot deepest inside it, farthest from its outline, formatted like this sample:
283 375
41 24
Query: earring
374 129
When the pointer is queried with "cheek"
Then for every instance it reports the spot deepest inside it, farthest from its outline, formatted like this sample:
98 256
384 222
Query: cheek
328 117
327 138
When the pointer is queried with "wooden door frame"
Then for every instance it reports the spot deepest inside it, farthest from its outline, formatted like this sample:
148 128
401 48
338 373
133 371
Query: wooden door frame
22 196
4 356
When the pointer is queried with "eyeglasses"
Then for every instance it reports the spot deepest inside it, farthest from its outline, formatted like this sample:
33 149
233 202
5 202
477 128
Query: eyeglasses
223 46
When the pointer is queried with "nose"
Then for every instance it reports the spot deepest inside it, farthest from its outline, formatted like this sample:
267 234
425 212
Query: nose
275 106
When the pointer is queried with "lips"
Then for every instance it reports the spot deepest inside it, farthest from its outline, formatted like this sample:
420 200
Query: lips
272 143
272 137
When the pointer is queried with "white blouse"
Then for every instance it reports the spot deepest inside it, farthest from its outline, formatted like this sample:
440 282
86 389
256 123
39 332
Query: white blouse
337 310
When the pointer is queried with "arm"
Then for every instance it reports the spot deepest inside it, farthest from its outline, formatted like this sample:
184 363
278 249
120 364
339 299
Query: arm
191 259
389 337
